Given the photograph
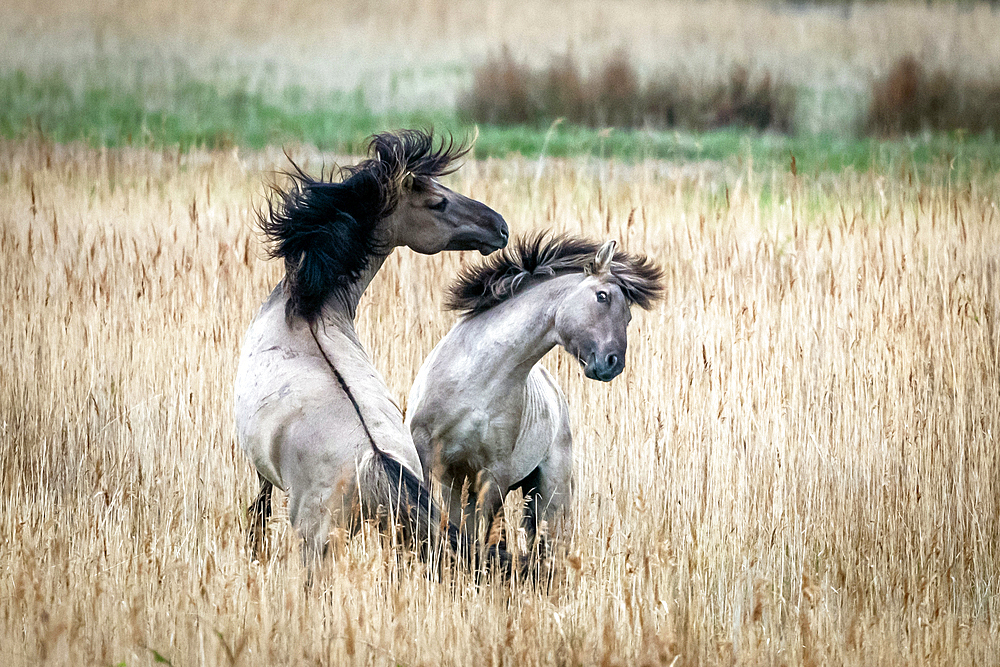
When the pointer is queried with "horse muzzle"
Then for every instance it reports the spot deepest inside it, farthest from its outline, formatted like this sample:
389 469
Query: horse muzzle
604 367
490 235
496 236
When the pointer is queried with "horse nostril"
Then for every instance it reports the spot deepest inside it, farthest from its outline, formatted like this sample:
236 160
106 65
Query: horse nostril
612 361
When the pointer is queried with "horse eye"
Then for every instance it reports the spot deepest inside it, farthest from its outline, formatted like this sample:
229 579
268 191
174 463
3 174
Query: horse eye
602 296
439 206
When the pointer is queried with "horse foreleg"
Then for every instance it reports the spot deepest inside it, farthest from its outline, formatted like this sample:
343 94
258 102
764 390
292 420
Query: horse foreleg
258 513
530 487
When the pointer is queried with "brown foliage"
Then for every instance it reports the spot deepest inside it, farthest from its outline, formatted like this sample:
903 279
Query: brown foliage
565 91
617 93
763 106
505 91
910 99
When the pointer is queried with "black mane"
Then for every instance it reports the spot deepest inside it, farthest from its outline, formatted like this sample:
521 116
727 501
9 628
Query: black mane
529 260
324 228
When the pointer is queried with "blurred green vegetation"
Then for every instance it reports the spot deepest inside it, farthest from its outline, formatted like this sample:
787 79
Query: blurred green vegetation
190 113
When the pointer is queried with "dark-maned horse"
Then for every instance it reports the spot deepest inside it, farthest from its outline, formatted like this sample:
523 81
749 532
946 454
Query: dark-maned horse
312 412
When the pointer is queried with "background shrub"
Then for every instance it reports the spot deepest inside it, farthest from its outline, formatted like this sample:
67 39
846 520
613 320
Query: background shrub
617 94
564 92
506 92
909 100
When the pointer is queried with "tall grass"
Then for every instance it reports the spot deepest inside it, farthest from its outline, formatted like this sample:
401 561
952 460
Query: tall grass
192 113
798 465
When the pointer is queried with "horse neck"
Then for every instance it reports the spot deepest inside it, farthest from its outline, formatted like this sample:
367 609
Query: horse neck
343 304
519 332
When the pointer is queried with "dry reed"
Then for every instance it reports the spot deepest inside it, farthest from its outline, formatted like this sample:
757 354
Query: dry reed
798 466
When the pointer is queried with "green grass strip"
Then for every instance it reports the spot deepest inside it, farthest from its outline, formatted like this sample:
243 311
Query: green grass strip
190 113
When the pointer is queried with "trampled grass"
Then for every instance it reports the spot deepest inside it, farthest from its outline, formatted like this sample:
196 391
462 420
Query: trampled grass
798 465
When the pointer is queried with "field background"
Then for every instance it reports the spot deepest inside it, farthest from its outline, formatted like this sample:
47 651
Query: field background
249 74
798 466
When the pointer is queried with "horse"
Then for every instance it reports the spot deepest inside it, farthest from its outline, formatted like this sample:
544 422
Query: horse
312 413
483 412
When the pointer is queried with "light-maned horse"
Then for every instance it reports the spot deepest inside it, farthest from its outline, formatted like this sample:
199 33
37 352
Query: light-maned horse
485 416
312 413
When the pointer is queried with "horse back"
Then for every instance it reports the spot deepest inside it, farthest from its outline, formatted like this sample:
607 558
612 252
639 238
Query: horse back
310 404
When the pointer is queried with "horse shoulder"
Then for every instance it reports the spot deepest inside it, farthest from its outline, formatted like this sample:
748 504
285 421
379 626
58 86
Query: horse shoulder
264 395
288 411
460 428
422 391
444 410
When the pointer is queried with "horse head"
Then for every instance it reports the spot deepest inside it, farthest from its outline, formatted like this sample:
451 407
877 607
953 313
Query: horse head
430 218
330 229
596 286
421 213
592 319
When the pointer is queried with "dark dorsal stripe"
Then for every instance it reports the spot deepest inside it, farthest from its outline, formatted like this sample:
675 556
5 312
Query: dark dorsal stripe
531 259
346 389
324 228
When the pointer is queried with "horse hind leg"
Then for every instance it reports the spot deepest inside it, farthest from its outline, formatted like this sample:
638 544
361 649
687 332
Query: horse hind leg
258 512
530 486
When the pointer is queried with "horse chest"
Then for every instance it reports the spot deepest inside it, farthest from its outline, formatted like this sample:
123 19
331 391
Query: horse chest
478 438
490 440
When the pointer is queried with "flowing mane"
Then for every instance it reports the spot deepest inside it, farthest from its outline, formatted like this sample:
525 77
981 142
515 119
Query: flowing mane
532 259
324 228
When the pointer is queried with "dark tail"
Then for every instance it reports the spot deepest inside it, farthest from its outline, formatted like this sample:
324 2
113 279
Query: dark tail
258 513
393 488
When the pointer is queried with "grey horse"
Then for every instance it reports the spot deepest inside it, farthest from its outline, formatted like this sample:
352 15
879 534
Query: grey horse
312 412
484 414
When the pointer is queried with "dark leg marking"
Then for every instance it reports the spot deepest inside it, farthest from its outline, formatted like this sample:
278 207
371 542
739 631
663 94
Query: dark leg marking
529 487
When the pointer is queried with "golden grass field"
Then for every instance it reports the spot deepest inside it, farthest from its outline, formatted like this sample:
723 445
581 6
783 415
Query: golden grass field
798 466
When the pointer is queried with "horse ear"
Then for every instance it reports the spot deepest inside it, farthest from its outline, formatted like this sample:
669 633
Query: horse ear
408 181
602 261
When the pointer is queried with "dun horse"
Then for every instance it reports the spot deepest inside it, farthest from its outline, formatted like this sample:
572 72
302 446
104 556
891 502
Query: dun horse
312 412
482 411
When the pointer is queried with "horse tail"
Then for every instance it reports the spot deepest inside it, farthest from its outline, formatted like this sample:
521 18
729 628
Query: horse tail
391 493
